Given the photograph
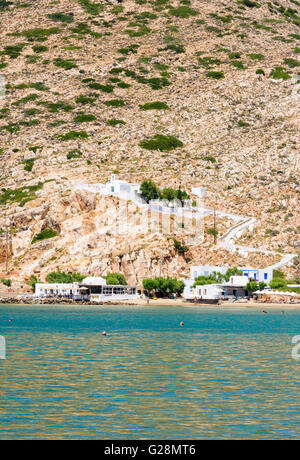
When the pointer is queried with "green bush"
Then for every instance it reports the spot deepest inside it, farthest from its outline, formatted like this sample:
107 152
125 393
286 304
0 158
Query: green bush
44 235
208 61
6 282
280 73
161 142
142 30
115 122
129 49
250 3
73 135
84 118
292 63
66 64
39 34
158 83
85 99
73 154
90 7
235 55
177 47
115 103
39 48
104 88
238 64
62 277
149 190
21 195
29 164
157 105
256 57
55 107
61 17
183 12
180 248
4 4
14 51
215 75
116 279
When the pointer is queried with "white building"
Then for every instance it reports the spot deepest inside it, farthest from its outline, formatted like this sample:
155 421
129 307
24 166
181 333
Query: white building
93 289
206 293
233 289
68 290
263 274
96 290
121 188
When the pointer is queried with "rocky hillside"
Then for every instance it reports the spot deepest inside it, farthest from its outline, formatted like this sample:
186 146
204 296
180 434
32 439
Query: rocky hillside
85 84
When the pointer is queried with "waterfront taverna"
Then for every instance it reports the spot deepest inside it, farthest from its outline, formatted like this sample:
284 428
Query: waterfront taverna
91 289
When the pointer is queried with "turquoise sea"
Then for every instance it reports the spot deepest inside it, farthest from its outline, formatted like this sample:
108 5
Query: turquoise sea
224 375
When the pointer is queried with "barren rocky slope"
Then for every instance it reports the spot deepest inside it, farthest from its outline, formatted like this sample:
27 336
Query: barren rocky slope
78 75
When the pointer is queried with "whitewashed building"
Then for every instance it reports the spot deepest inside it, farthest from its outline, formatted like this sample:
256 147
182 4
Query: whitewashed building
93 289
235 288
96 290
67 290
260 274
207 293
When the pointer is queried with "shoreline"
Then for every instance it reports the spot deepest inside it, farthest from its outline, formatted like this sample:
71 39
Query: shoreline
166 303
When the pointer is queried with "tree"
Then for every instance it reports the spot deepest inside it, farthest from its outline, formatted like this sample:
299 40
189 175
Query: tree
182 195
252 286
180 248
278 284
168 194
262 285
163 287
6 282
33 280
278 274
149 190
62 277
116 278
210 279
232 272
149 285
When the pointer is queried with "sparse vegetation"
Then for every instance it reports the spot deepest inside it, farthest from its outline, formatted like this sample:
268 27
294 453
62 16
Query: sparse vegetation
161 142
45 234
73 135
157 105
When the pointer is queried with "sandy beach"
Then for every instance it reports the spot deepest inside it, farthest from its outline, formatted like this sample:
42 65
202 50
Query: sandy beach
223 304
251 304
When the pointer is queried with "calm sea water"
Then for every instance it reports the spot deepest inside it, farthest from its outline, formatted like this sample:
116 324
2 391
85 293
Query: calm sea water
225 374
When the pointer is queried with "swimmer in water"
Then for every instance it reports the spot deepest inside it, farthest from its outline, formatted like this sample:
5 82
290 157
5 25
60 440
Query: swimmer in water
104 333
10 320
182 324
